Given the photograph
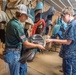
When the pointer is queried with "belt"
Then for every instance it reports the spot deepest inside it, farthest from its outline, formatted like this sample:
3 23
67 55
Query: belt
13 48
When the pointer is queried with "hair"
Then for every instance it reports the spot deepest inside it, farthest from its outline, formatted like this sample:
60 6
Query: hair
18 14
67 10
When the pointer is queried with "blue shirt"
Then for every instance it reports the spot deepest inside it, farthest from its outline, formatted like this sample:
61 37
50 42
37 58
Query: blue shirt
69 51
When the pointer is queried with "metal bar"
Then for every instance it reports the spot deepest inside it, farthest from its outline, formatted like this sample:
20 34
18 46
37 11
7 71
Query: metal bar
62 3
56 4
70 3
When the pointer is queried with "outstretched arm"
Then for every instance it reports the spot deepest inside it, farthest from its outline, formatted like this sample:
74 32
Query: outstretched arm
32 45
67 41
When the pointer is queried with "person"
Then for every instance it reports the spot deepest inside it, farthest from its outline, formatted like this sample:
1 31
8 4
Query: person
68 49
14 39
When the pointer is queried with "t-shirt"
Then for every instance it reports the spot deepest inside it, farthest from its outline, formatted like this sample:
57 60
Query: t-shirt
14 34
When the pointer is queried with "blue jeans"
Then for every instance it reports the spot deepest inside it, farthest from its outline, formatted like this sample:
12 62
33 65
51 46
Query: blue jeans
69 66
16 68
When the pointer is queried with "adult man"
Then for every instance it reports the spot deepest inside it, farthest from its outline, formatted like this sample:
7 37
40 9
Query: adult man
14 39
68 49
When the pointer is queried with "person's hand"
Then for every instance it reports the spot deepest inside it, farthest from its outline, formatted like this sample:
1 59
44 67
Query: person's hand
49 40
40 47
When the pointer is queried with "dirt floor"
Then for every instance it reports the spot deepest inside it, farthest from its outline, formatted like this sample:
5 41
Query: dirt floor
48 63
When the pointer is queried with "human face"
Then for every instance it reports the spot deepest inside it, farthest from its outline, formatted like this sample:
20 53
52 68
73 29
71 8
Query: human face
66 18
23 18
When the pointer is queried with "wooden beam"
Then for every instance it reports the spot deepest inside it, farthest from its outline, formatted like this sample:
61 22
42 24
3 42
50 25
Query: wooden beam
70 3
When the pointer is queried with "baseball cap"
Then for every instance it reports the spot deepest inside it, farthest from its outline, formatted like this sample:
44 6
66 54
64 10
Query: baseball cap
24 10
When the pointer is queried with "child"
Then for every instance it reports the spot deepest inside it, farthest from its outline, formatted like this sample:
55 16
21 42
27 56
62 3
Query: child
14 39
68 49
